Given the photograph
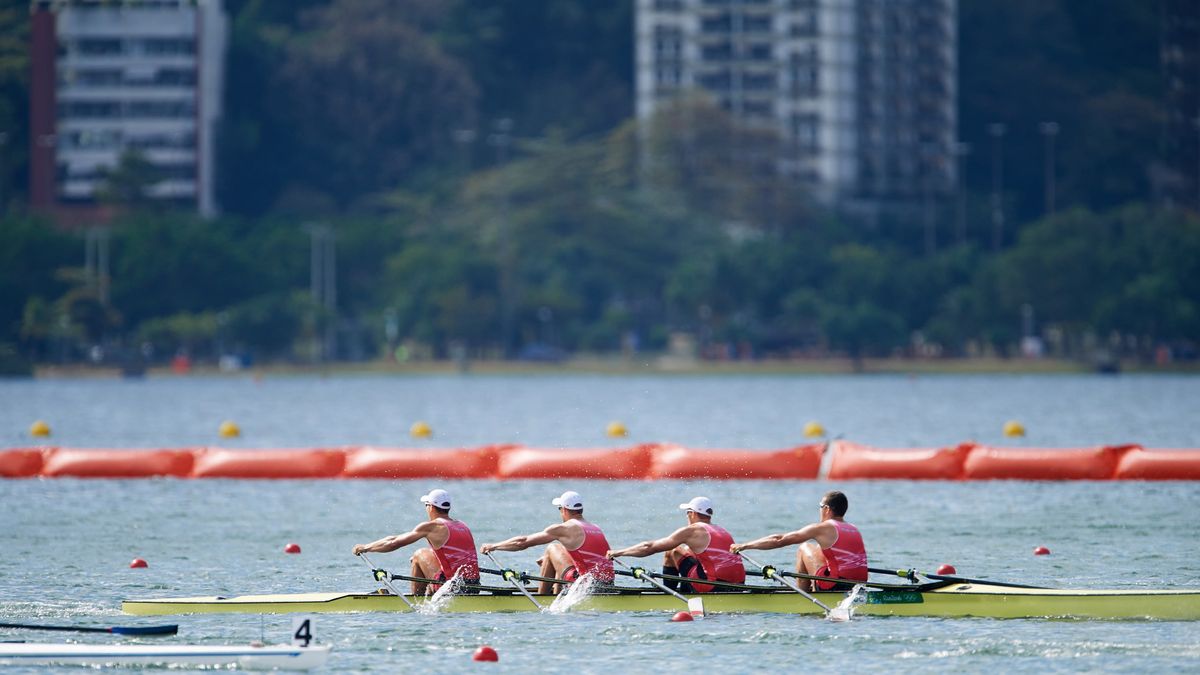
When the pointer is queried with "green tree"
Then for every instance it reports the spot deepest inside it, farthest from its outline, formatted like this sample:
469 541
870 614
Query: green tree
371 95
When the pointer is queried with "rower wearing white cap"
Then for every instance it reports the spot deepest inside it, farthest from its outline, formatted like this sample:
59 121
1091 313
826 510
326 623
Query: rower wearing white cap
574 547
699 550
451 546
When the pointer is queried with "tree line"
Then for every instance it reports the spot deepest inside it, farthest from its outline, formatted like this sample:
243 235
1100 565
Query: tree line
489 193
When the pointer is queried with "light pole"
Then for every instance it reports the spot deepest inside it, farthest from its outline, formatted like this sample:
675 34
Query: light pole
996 129
323 283
501 138
961 150
1049 130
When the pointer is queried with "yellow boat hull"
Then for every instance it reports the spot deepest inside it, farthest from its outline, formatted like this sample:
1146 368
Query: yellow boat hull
958 600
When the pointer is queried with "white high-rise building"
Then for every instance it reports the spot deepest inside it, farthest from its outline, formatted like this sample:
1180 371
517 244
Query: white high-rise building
862 92
110 77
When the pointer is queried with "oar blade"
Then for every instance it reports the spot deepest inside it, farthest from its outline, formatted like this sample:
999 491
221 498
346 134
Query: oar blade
839 614
696 608
167 629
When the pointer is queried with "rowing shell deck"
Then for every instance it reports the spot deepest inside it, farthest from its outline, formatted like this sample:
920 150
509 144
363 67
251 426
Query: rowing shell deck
956 600
268 657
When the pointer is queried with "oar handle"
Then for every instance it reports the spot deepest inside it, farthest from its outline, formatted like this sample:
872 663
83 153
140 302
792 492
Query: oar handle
384 578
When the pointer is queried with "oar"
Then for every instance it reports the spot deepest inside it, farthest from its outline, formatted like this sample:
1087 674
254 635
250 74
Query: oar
695 605
511 577
376 572
168 629
770 572
911 575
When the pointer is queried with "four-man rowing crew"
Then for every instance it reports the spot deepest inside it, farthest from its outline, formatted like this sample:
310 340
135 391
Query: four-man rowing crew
831 550
699 559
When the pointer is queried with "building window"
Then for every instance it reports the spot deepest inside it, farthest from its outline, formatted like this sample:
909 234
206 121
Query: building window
805 131
99 46
756 24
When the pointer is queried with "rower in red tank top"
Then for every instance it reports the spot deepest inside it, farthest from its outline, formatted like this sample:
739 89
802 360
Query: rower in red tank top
829 548
457 555
451 546
699 550
574 546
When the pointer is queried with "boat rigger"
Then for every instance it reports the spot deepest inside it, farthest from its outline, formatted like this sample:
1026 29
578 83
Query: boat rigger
950 600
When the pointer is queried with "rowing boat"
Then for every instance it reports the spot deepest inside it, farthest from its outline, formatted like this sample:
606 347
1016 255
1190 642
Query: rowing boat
947 600
250 657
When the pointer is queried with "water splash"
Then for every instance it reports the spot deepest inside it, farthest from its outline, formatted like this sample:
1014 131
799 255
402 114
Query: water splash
845 609
443 596
576 593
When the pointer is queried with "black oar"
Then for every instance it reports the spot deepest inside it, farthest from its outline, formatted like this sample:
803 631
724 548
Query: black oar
168 629
911 575
768 571
695 605
382 575
511 577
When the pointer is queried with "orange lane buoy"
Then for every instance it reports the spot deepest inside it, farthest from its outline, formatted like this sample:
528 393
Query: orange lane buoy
1041 550
682 616
947 568
137 562
292 548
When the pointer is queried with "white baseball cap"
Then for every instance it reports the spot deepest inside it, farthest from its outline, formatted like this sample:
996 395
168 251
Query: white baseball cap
438 498
701 505
569 500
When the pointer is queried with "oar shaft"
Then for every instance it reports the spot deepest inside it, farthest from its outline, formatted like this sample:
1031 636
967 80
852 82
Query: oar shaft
170 629
772 574
911 575
386 582
516 584
645 576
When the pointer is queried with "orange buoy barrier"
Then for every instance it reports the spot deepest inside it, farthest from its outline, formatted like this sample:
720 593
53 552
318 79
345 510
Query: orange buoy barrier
675 462
105 463
614 463
394 463
851 460
1098 463
1159 464
21 462
283 463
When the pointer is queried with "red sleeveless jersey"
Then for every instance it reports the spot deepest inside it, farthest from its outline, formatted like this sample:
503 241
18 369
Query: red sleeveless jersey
458 551
590 556
847 557
719 564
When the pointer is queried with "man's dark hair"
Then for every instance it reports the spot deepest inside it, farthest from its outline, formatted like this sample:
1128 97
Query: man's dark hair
440 511
574 512
837 502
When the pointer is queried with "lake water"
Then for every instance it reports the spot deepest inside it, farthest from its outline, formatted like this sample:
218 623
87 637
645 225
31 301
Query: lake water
65 545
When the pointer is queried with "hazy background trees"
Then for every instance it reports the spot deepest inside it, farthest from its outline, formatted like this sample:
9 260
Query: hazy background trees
488 190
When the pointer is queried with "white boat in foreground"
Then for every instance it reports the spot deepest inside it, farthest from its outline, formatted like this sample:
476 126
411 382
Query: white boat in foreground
249 657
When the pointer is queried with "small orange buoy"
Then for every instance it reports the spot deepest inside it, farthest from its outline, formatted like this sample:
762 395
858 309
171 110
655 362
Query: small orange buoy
682 616
292 548
485 653
138 562
947 568
1041 550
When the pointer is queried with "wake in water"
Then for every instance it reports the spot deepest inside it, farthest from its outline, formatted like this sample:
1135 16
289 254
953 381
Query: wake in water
444 595
574 594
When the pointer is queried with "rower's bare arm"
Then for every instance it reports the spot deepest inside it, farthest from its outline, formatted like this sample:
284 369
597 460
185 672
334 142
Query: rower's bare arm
519 543
680 536
779 540
389 544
